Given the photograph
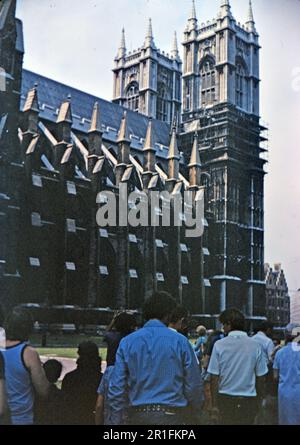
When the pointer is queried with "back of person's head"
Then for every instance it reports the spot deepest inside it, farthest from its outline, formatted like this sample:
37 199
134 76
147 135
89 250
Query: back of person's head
125 323
234 318
159 306
53 369
88 355
178 313
292 332
201 331
18 325
264 326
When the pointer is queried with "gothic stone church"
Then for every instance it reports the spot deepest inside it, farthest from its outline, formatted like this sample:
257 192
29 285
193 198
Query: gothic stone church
172 125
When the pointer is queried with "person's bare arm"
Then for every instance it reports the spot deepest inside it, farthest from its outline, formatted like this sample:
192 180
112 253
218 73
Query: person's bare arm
39 379
99 415
2 397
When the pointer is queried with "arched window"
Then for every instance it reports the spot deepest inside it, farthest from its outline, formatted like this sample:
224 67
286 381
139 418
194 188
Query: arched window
208 82
240 85
132 97
162 103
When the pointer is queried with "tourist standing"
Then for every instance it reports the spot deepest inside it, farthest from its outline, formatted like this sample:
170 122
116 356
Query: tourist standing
237 367
287 374
157 370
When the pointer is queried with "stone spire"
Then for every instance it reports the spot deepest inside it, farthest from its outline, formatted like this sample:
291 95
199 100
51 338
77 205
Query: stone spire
175 52
65 120
95 137
95 121
149 149
225 10
149 41
122 48
31 110
173 156
250 20
195 164
123 135
192 21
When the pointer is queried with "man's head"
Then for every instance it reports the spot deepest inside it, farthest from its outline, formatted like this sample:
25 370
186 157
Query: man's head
18 325
266 327
125 323
159 306
177 319
53 369
232 320
292 332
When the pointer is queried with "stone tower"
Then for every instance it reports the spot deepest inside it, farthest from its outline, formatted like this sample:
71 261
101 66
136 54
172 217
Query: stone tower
221 104
147 80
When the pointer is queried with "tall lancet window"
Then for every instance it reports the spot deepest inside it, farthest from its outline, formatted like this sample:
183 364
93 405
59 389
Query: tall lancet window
132 97
241 86
162 103
208 82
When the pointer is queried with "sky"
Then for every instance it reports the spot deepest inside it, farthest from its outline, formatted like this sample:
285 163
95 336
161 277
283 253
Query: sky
75 42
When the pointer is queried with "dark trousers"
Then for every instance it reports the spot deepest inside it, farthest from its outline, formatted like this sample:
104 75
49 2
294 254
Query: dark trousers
237 410
155 418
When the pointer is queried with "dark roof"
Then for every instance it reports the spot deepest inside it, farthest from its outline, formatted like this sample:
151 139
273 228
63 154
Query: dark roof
51 94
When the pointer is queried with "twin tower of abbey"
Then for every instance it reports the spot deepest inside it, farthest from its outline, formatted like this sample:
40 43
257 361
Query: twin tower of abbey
175 125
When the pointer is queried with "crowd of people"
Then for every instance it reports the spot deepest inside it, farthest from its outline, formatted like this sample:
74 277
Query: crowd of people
154 374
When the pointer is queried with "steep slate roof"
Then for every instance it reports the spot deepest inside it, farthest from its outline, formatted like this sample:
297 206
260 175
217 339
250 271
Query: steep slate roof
51 94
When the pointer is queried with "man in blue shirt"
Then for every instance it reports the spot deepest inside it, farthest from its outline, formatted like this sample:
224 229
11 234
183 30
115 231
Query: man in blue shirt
157 370
287 373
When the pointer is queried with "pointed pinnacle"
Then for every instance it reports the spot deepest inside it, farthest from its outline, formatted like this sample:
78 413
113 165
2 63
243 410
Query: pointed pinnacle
175 52
32 103
250 13
193 15
95 121
149 141
173 149
122 47
123 133
65 112
149 41
195 156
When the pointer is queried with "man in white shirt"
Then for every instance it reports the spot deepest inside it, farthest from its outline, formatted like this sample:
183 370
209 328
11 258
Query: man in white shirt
237 367
263 337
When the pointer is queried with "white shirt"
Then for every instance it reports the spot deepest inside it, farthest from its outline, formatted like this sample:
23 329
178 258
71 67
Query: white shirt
2 339
237 360
266 344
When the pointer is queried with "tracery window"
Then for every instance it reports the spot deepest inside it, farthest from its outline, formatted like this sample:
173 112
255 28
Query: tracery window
208 83
132 97
162 103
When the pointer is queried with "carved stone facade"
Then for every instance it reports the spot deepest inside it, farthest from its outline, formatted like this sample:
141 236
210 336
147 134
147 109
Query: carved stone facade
277 296
65 146
148 81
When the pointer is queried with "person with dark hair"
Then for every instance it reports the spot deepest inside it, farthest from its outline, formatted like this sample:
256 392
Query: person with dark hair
24 375
178 319
156 371
49 411
287 375
79 387
237 367
264 338
122 324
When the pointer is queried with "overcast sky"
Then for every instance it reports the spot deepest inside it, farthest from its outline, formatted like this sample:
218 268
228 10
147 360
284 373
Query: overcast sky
75 42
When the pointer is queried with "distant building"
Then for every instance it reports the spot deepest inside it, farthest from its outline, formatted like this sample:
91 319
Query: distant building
295 307
277 296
